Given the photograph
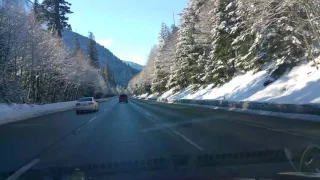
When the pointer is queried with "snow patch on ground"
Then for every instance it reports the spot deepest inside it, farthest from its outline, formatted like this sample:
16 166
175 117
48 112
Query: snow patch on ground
148 96
166 94
143 95
181 94
153 96
15 112
299 86
239 88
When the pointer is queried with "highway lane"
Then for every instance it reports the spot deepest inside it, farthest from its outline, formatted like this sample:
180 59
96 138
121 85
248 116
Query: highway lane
143 130
21 141
222 131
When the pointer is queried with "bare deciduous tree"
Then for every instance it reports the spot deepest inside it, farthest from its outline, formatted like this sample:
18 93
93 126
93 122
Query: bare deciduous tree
36 67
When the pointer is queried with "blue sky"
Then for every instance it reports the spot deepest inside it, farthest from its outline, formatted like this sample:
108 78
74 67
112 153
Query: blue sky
128 28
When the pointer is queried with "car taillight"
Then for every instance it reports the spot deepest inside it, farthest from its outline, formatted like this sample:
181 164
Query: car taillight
78 104
90 103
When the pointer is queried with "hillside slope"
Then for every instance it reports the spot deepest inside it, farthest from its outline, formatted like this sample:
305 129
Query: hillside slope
299 86
134 65
121 71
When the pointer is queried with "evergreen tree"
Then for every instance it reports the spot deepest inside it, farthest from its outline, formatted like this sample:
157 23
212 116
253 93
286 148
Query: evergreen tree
202 37
35 7
280 44
164 35
77 46
108 76
160 75
245 43
92 50
187 52
174 29
226 27
4 49
217 39
55 13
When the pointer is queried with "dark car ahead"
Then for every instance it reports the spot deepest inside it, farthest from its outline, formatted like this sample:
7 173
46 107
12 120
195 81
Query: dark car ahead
123 98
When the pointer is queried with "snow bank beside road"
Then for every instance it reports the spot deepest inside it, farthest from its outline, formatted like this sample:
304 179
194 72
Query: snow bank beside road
238 89
299 86
148 96
16 112
144 95
296 92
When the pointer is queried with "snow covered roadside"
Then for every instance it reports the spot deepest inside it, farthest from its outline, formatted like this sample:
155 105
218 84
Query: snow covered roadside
293 92
143 96
305 117
16 112
299 86
239 88
148 97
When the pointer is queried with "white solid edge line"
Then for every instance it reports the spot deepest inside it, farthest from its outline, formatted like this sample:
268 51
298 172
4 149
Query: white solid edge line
276 130
254 125
188 140
77 131
92 119
175 132
22 170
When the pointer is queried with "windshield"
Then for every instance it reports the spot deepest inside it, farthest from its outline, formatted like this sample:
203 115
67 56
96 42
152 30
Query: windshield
159 89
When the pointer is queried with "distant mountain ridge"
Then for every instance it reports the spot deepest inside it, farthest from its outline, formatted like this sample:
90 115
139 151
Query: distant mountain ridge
134 65
122 72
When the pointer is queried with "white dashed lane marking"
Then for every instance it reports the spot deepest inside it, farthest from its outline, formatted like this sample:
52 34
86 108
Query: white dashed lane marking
92 119
22 170
276 130
172 130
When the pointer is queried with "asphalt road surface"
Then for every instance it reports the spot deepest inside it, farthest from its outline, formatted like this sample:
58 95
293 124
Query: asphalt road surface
145 130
